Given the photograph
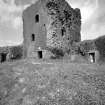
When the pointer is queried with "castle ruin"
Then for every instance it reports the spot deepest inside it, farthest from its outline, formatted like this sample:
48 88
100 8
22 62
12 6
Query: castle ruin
50 24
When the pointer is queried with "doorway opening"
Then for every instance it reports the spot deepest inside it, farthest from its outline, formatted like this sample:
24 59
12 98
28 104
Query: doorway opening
92 57
40 54
3 57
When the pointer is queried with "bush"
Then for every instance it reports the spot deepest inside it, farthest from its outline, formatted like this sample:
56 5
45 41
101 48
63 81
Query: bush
16 52
57 52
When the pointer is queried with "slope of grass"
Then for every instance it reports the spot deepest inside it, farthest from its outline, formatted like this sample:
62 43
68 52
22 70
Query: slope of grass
46 83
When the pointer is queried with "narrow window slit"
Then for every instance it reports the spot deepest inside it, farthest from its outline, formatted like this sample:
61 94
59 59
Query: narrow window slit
37 18
33 37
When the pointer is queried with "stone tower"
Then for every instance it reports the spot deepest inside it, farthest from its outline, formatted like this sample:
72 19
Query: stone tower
50 24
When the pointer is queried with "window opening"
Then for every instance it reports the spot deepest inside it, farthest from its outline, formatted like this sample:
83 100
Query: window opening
63 31
37 18
33 37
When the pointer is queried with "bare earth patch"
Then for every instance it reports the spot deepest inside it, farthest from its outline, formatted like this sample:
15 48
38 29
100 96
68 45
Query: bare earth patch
32 82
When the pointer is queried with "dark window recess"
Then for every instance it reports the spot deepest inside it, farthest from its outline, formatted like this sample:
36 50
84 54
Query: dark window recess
63 31
33 37
37 18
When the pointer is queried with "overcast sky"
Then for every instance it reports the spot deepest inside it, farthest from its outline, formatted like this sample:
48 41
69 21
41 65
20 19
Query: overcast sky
93 19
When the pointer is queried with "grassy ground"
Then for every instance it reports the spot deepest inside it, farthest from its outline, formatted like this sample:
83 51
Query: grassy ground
30 82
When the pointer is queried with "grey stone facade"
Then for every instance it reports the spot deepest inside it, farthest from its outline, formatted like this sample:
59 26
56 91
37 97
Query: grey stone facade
50 24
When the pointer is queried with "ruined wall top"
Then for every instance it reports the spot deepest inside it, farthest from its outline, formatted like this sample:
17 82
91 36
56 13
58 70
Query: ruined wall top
64 12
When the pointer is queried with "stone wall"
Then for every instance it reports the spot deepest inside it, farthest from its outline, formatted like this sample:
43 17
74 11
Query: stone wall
65 24
88 49
30 26
62 26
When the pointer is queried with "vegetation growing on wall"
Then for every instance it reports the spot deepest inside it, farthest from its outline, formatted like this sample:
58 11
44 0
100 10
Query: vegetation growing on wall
86 46
12 52
64 17
16 52
58 53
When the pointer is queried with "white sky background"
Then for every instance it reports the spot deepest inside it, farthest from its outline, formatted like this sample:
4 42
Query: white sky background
93 19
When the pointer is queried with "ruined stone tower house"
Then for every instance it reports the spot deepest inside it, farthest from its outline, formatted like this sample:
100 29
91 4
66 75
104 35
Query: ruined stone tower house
50 24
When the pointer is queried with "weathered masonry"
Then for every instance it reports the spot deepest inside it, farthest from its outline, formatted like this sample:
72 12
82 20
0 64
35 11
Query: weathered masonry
89 50
50 24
